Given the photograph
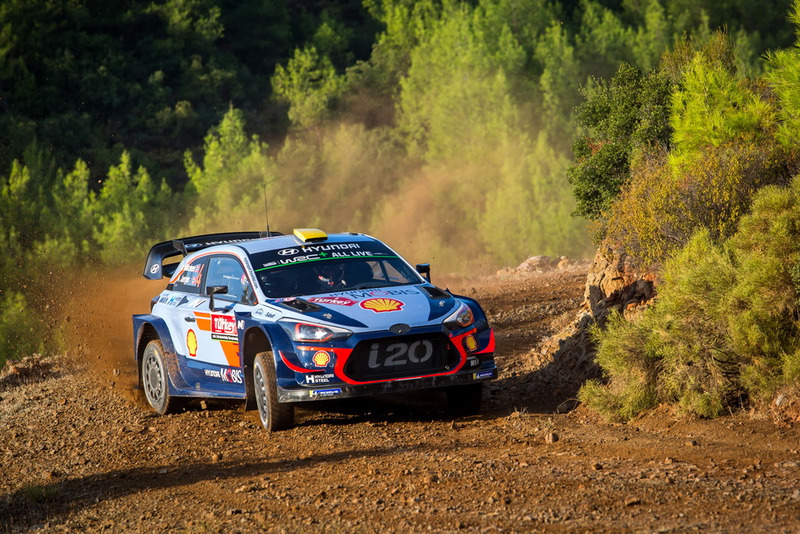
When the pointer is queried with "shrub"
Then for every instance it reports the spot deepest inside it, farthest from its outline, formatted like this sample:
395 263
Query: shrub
725 328
662 207
18 329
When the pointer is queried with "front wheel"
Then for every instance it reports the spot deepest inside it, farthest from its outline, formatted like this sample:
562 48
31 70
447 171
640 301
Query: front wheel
273 414
155 380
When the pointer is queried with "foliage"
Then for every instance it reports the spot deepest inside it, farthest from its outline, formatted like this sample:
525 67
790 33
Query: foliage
724 327
309 84
131 213
232 180
623 117
711 108
84 76
19 330
783 75
662 207
443 124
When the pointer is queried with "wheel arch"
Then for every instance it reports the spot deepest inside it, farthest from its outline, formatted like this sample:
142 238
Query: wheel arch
255 341
148 329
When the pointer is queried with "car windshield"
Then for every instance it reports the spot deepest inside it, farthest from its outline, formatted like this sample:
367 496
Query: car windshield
309 271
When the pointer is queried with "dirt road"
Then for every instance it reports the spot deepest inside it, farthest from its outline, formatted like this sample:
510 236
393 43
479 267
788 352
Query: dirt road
81 452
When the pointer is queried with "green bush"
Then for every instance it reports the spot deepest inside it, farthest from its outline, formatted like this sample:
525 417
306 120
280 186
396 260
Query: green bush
621 117
629 358
19 331
662 207
725 328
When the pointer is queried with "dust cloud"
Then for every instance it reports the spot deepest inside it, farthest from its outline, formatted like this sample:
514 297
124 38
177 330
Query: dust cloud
98 328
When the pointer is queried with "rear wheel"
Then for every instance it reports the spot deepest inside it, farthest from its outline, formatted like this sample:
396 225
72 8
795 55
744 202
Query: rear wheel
155 380
464 400
273 414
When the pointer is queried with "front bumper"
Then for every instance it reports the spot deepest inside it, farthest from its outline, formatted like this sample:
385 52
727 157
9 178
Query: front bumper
342 390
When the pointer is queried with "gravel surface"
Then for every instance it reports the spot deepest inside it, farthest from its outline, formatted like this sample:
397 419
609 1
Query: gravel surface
81 451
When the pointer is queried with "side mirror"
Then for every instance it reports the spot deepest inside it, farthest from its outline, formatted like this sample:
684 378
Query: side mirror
425 270
214 290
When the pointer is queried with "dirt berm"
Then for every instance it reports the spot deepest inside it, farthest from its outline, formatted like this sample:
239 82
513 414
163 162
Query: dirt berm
81 452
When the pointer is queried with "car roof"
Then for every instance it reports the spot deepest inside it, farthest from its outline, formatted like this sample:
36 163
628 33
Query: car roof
235 242
288 241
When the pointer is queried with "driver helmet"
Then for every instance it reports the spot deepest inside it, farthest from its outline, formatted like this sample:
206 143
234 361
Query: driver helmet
329 275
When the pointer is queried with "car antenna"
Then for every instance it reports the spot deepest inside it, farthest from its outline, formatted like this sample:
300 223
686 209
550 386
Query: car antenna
266 209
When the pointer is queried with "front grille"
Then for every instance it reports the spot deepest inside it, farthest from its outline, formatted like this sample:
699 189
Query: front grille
400 357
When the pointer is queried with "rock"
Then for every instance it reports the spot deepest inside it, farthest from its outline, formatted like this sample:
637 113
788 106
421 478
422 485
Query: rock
550 437
537 263
613 283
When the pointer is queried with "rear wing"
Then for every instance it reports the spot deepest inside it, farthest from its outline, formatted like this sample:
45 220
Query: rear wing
155 269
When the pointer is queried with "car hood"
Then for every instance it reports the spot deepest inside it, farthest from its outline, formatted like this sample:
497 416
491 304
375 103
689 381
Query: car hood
376 308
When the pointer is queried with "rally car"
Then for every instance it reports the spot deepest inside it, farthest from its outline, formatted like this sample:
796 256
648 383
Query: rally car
275 320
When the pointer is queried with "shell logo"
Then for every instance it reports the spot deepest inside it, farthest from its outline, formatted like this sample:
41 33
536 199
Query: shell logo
382 305
471 343
321 358
191 343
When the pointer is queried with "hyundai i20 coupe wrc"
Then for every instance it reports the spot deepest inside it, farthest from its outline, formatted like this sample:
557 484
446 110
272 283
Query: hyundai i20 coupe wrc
276 320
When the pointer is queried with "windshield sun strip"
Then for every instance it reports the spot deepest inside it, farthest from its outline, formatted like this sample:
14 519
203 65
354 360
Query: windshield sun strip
326 259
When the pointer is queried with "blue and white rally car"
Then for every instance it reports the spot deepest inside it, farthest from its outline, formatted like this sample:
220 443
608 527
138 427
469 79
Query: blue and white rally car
276 320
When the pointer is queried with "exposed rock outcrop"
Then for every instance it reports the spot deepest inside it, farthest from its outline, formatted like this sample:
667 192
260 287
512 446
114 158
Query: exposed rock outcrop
612 284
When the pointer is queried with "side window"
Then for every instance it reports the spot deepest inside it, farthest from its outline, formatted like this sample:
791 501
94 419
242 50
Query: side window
190 278
391 273
227 271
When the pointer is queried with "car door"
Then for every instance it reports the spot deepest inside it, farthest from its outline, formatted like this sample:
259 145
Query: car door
209 322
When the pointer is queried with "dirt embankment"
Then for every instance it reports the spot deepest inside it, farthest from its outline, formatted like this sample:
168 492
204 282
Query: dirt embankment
81 451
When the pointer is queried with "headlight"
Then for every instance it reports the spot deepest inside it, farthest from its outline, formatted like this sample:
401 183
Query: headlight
462 317
300 331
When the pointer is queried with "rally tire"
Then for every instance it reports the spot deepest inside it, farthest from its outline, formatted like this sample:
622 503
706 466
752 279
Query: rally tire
274 415
464 400
155 379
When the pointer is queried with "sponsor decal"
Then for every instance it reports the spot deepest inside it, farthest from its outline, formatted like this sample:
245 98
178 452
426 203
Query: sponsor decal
321 358
309 253
191 343
481 375
400 353
470 343
240 324
154 268
335 301
175 300
197 302
162 300
381 305
226 375
223 327
319 379
191 275
266 313
231 375
325 392
318 248
380 293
